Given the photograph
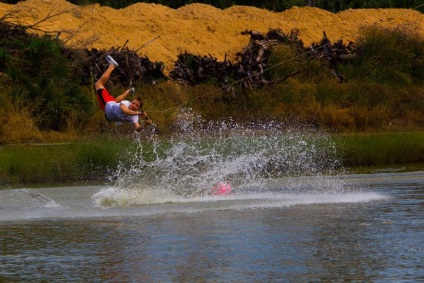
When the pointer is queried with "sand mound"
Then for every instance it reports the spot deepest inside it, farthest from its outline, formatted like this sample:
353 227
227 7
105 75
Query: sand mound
197 28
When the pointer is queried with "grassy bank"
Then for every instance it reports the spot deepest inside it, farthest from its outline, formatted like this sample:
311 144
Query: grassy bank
381 148
98 161
60 163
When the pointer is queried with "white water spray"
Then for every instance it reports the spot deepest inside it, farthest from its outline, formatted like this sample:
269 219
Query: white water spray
255 158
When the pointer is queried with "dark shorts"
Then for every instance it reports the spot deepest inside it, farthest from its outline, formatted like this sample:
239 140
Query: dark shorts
104 97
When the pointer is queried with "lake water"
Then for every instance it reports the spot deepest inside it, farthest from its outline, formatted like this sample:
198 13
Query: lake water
371 232
293 215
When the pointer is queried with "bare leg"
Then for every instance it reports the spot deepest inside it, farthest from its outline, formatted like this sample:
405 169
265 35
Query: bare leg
104 78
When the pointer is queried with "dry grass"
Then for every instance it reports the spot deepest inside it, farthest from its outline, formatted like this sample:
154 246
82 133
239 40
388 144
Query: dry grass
19 126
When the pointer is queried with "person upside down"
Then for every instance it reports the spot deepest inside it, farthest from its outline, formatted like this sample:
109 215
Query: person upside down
118 109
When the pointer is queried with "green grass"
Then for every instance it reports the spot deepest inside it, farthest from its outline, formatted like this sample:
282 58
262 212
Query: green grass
381 149
97 161
61 163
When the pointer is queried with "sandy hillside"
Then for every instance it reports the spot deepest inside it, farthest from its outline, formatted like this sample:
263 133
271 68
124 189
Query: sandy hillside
197 28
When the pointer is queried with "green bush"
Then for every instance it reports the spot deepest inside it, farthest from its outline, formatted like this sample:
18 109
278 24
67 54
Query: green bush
392 57
47 82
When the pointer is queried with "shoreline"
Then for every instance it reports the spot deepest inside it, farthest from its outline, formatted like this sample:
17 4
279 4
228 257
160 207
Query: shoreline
95 162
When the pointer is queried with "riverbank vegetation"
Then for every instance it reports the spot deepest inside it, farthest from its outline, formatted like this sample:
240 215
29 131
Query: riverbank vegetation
43 99
101 161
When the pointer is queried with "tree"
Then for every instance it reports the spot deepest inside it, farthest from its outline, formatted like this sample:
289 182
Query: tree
312 3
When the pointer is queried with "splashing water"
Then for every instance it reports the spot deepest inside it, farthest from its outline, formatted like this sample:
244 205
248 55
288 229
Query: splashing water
255 158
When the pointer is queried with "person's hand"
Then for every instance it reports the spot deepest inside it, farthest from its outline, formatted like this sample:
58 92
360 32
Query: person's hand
144 115
146 118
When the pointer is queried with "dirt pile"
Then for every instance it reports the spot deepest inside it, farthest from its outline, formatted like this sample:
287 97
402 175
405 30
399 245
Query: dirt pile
196 28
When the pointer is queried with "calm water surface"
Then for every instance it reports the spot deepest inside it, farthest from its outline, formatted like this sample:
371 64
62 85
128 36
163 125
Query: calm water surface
368 229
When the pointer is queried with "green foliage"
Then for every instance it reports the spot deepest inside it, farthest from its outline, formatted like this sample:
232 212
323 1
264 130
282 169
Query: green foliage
46 81
392 57
3 55
284 61
281 62
41 48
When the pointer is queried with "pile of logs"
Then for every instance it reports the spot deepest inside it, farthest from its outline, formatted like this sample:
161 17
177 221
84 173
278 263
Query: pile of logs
248 72
334 53
191 70
132 68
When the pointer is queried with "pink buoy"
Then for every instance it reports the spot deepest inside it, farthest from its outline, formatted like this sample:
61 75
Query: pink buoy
222 188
